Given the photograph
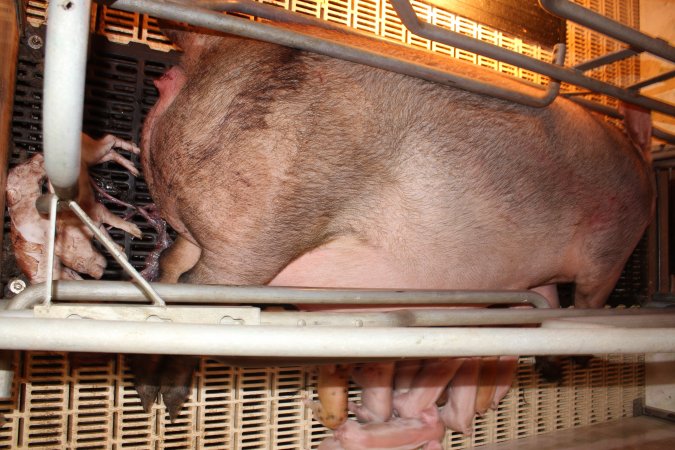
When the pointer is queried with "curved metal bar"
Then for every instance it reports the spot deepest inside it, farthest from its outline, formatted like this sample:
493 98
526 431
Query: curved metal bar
597 22
268 33
409 18
121 291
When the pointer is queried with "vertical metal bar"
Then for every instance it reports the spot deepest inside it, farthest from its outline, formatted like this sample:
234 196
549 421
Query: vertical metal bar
663 186
117 254
53 204
65 65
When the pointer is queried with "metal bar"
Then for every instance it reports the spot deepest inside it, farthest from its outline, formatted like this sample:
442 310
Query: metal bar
65 66
51 248
657 79
119 256
597 22
609 58
663 224
264 32
450 317
612 112
409 18
664 155
282 15
263 341
401 317
120 291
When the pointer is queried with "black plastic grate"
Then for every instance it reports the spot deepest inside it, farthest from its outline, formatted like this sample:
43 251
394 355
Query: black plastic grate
119 93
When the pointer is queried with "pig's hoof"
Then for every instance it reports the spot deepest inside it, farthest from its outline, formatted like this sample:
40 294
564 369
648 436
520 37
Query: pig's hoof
174 397
176 379
582 361
549 368
146 377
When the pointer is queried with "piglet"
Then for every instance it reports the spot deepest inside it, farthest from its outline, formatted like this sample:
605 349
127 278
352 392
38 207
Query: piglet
396 434
74 250
376 380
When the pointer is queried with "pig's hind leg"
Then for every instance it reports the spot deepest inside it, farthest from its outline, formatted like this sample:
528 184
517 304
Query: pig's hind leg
169 375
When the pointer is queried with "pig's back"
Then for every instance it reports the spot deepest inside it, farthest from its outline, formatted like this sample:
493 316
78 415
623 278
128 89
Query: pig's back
451 181
309 158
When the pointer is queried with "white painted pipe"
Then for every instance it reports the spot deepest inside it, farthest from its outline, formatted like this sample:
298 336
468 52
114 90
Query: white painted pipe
81 335
65 68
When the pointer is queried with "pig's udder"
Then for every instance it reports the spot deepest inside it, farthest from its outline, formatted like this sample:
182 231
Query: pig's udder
170 84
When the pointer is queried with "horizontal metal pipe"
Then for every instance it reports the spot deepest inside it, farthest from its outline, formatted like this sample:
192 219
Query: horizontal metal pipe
452 317
121 291
663 155
282 15
65 66
262 341
409 18
613 112
268 33
597 22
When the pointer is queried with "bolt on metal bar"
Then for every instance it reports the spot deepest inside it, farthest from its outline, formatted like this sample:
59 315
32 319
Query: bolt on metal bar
409 18
609 58
597 22
117 254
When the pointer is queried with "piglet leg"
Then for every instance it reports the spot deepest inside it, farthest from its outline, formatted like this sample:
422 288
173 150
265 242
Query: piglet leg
427 386
506 372
396 434
376 381
458 413
333 390
330 444
102 150
405 374
486 383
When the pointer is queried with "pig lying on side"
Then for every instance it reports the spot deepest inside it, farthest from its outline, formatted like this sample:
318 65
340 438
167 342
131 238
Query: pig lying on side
278 166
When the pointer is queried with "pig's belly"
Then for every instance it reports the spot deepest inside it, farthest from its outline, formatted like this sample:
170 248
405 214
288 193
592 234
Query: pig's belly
350 264
347 263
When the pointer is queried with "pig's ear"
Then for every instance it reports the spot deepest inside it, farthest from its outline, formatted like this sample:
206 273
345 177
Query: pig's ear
637 122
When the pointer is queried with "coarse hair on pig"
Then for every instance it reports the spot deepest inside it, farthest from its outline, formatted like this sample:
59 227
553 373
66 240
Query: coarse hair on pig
268 156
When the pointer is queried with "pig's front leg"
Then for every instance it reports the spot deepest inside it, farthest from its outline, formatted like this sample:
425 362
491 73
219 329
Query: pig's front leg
376 381
169 375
